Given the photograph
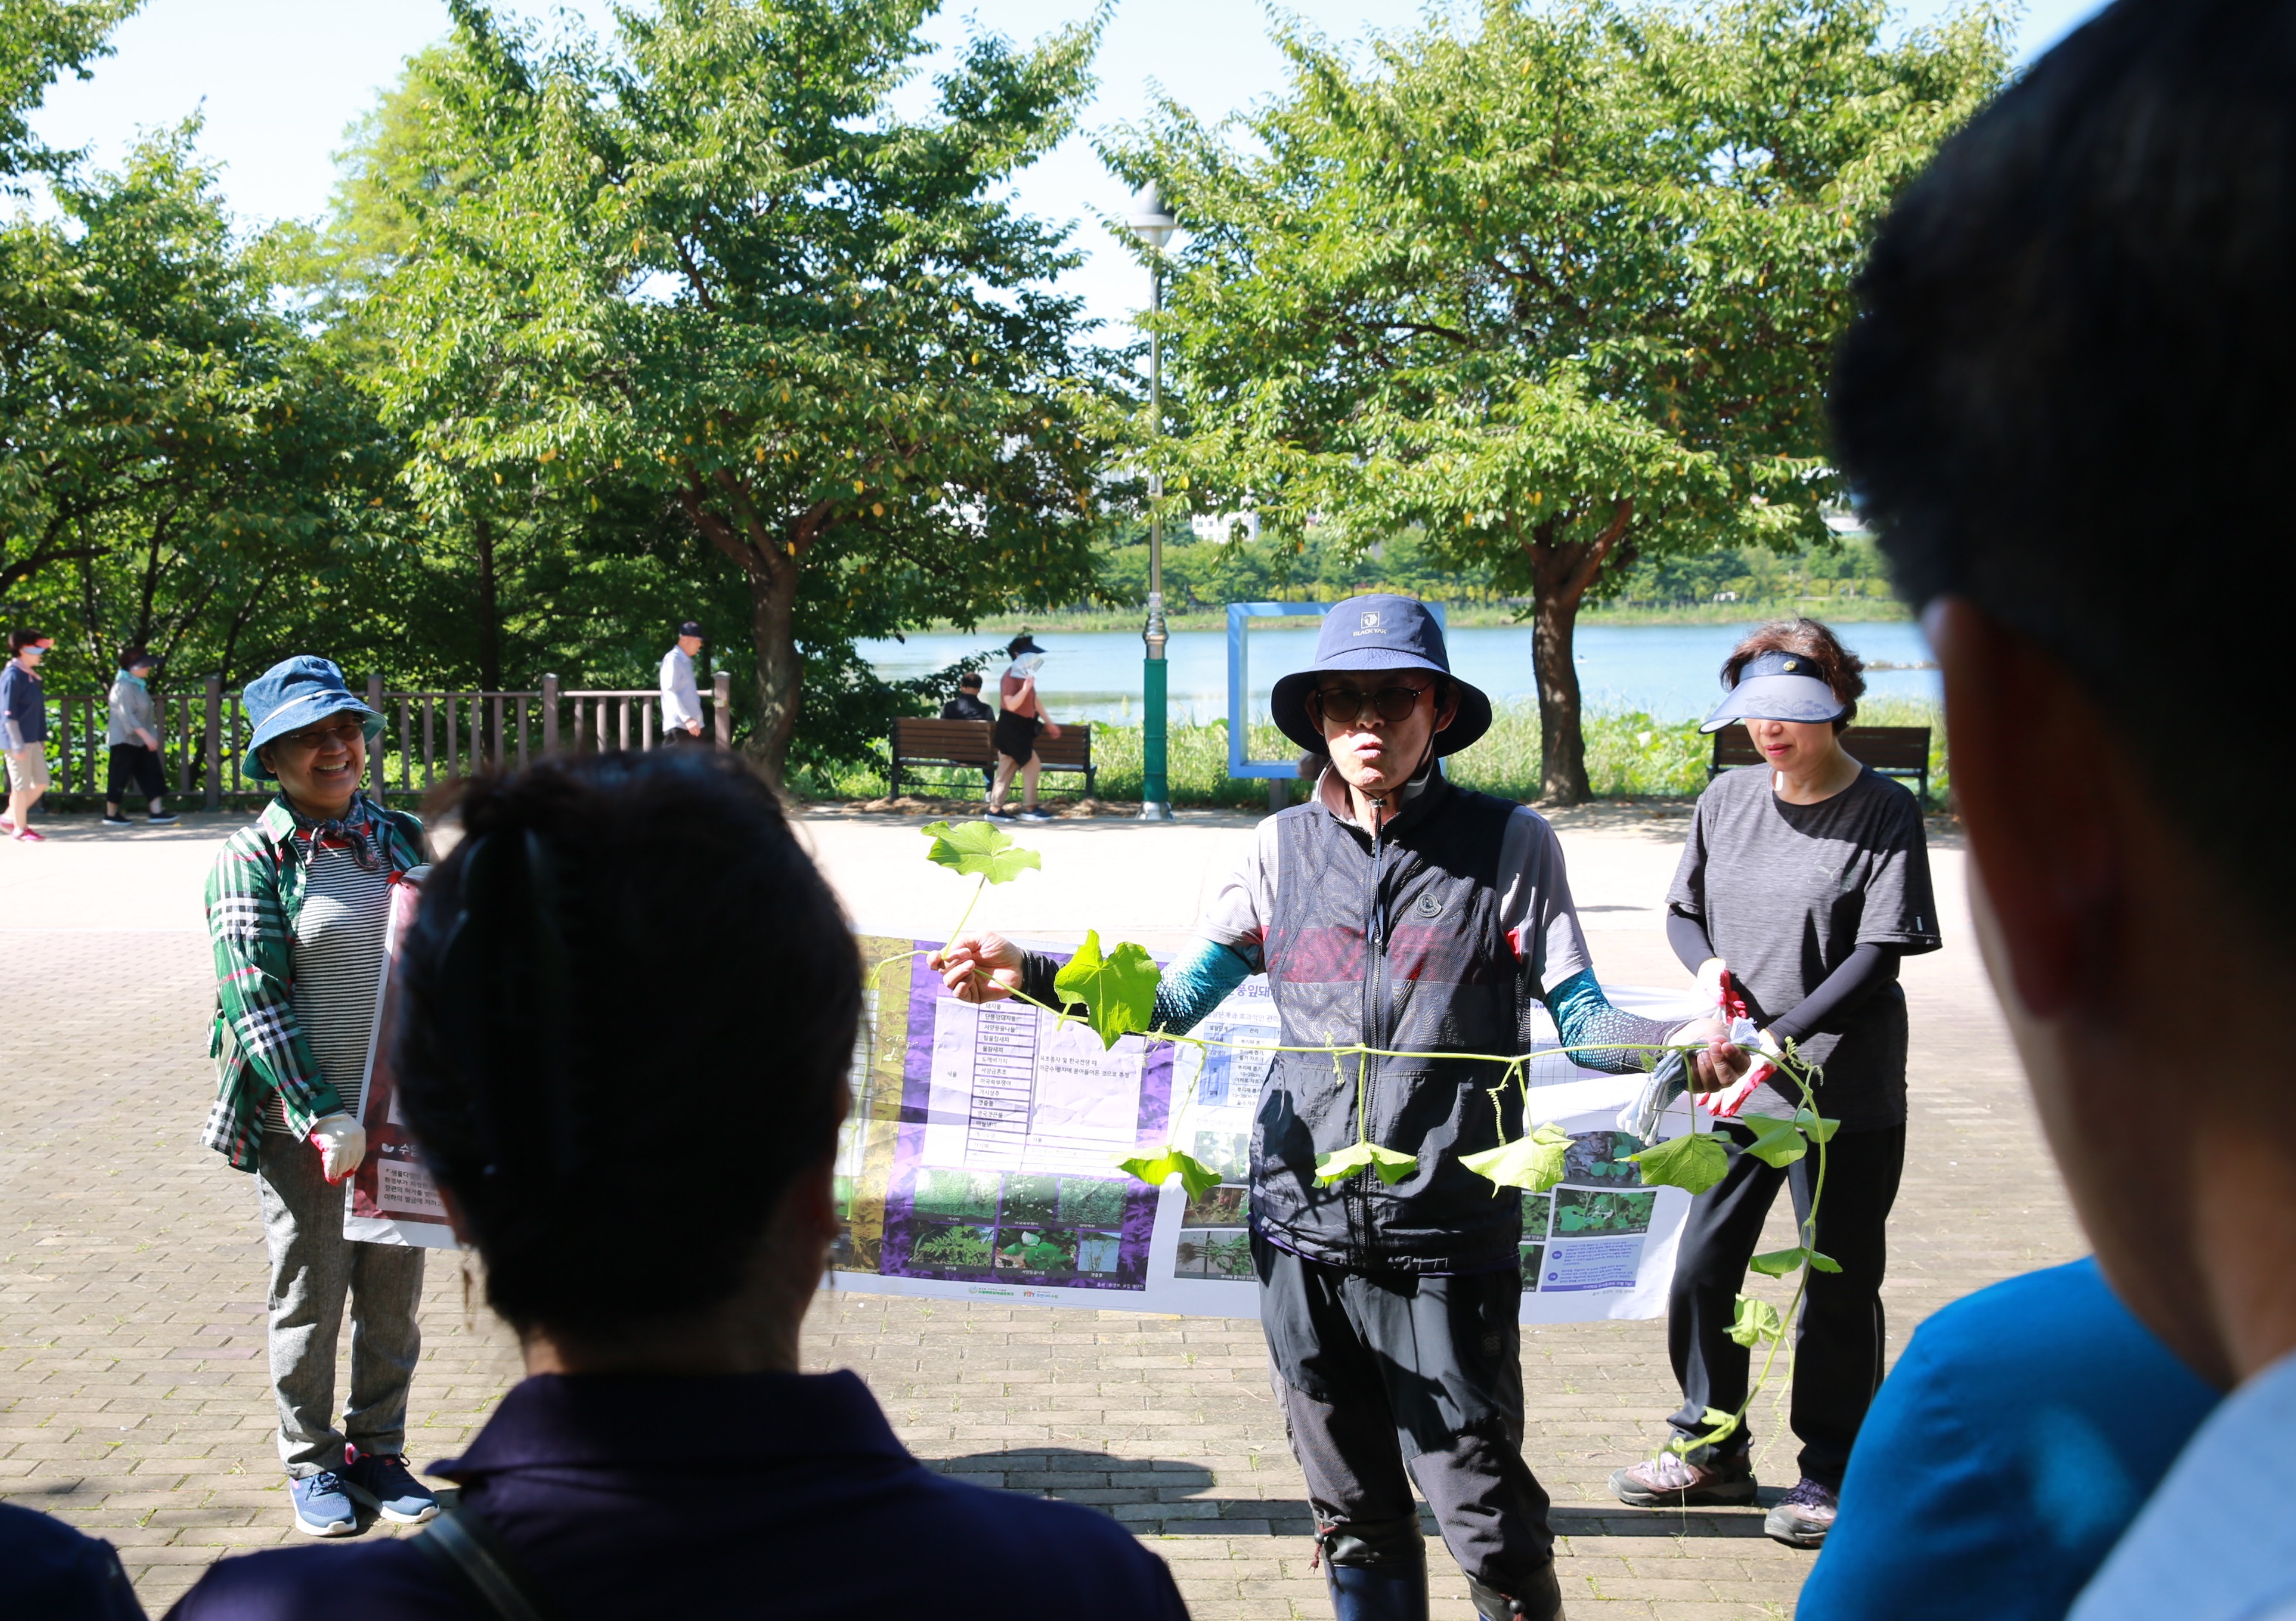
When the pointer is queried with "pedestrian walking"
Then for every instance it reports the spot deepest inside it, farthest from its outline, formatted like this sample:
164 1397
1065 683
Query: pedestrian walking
24 732
298 906
666 1455
133 733
1804 881
967 705
1020 718
681 699
1400 913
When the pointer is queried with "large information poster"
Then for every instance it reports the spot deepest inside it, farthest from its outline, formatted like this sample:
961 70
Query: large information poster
980 1160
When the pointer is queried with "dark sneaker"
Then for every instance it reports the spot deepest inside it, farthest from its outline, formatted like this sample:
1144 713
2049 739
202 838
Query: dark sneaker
1803 1516
1037 812
385 1485
321 1507
159 818
996 816
1668 1481
118 821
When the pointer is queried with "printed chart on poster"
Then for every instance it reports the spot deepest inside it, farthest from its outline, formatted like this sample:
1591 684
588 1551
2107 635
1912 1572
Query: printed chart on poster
390 1199
980 1160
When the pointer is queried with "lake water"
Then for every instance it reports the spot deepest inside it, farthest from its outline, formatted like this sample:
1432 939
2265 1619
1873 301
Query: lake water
1670 672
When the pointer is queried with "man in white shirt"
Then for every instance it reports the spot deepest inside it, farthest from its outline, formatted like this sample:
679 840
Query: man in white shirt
681 701
2074 358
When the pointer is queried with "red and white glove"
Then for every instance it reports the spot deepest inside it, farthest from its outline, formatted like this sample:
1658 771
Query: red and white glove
341 1142
1724 1104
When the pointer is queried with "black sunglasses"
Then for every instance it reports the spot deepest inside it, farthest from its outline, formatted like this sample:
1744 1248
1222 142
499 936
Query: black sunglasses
1345 705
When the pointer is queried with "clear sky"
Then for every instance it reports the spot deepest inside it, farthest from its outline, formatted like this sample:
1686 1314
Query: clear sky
280 80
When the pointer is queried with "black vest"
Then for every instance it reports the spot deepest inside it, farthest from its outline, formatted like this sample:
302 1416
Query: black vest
1395 943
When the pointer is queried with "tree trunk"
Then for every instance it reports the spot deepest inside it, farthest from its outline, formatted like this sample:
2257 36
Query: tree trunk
490 675
1561 571
781 674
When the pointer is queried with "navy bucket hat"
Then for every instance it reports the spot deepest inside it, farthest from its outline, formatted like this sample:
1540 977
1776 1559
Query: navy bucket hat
292 694
1777 686
1379 632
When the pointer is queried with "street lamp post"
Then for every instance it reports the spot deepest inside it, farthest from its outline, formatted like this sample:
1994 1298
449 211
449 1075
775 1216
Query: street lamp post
1154 227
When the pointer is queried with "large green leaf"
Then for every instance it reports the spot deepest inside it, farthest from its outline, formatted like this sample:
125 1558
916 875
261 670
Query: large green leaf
1533 1161
1118 991
1777 1263
979 848
1776 1142
1157 1168
1693 1162
1757 1320
1817 1128
1392 1166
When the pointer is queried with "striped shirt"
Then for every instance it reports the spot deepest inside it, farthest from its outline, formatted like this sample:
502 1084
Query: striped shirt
338 956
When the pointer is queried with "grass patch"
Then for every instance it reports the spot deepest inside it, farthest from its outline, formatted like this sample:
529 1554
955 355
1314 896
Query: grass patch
1628 755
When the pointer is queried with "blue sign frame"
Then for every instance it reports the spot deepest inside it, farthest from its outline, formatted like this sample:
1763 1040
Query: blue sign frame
1239 679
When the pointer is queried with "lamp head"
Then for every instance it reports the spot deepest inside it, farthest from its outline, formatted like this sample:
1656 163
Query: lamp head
1151 223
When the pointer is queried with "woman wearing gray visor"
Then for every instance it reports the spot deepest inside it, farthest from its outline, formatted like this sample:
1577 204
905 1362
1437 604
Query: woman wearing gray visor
1805 880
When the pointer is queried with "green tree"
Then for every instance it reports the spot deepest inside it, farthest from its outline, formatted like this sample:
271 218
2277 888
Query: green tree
41 40
717 266
1558 291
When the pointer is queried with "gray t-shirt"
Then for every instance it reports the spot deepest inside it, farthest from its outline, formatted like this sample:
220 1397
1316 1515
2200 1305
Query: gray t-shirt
1786 892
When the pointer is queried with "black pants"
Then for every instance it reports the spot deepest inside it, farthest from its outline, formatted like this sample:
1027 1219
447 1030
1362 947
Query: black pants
1380 1373
1837 1350
134 763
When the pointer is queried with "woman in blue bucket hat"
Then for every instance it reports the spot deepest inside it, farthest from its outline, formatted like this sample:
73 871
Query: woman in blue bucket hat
298 906
1400 912
1803 882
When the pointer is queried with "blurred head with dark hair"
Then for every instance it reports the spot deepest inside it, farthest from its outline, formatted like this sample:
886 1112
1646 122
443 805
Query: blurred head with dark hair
2064 408
628 1008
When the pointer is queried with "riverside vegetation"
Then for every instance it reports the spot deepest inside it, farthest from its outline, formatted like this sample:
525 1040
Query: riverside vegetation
1628 755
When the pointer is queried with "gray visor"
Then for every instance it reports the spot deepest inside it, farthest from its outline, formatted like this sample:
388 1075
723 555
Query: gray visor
1776 687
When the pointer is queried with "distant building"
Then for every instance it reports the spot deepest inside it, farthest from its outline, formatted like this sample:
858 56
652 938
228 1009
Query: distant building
1224 526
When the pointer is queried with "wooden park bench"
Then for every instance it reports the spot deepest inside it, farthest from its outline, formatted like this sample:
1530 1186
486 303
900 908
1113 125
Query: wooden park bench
968 745
1894 752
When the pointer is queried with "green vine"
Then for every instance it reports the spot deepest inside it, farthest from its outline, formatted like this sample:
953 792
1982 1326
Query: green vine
1116 991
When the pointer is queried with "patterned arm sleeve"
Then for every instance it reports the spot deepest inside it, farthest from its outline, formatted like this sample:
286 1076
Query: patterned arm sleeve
1588 1021
254 987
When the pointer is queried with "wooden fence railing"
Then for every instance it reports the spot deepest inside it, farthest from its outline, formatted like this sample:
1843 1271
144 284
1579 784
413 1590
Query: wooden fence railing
427 738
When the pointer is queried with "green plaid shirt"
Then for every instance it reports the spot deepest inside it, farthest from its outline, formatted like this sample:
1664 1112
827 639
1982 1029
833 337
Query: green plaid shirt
255 899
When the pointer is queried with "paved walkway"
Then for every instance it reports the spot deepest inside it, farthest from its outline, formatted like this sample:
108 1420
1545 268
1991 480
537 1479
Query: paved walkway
133 1395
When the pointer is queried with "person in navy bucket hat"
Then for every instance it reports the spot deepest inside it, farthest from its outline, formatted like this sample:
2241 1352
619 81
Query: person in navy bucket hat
1396 913
299 905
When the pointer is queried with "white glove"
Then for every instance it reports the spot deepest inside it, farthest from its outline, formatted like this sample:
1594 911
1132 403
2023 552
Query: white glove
341 1142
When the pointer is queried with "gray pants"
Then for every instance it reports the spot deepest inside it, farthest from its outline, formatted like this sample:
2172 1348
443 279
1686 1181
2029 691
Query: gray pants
1380 1373
313 1268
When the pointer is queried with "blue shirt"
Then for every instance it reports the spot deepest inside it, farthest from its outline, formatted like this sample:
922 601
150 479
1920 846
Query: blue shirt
2014 1441
770 1494
22 706
2218 1541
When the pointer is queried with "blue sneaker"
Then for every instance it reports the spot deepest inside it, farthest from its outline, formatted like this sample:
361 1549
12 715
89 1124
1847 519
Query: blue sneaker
322 1506
385 1485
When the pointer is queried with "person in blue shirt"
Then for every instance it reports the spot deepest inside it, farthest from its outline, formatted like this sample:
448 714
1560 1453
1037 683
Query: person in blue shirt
2006 1453
655 1211
2064 409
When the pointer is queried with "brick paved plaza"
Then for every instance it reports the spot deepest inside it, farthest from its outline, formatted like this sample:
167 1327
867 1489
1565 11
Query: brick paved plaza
133 1396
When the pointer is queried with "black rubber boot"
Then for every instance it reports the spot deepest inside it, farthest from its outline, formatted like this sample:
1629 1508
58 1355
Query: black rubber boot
1541 1598
1376 1572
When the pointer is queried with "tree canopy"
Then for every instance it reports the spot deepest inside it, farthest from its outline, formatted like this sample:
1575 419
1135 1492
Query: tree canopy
1558 291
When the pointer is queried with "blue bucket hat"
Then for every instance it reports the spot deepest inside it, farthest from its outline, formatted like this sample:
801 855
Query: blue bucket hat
292 694
1777 686
1379 632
